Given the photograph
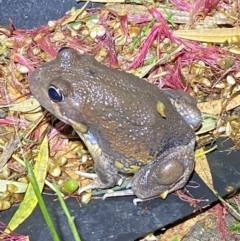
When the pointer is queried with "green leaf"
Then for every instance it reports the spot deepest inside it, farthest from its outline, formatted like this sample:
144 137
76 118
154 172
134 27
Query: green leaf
235 227
30 200
175 238
209 123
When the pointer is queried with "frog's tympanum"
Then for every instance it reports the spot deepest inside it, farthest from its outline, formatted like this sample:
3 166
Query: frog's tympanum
127 124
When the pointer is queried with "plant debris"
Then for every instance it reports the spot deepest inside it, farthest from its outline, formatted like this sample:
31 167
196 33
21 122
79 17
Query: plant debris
134 38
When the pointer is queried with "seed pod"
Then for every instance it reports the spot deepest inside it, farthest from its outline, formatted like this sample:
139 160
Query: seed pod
4 205
5 173
220 85
227 91
226 62
70 186
198 68
206 82
228 129
55 171
230 80
236 89
61 161
221 129
86 198
134 31
84 159
121 40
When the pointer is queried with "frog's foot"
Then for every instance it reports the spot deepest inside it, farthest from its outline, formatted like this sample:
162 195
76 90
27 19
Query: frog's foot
90 176
98 183
87 175
127 192
122 193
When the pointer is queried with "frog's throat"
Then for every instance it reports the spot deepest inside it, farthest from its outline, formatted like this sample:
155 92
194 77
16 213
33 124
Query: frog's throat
79 127
91 144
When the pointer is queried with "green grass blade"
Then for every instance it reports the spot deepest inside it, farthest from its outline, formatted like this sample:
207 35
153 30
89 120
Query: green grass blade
67 213
41 202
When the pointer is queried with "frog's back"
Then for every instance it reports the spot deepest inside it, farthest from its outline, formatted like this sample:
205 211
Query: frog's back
129 123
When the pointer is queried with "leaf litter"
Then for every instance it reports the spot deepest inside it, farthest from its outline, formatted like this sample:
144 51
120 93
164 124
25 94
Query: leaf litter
131 37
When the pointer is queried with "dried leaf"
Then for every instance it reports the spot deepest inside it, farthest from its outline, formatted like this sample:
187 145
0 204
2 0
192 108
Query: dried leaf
26 106
203 170
214 107
75 14
21 186
180 230
219 35
142 71
208 123
8 150
34 116
134 11
30 200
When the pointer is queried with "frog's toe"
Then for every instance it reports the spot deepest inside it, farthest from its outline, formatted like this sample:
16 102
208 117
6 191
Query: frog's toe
127 192
139 200
88 187
96 182
87 175
100 181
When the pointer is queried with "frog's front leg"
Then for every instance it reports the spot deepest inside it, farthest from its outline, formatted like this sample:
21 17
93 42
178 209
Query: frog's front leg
106 173
105 176
167 173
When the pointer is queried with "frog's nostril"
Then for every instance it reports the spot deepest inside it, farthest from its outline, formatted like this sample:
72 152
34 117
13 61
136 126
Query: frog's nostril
55 94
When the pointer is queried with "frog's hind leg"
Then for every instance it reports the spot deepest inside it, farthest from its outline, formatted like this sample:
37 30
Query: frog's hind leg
167 173
186 106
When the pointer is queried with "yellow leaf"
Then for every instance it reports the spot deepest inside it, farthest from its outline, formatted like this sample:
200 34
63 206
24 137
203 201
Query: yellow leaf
203 170
26 106
74 14
214 107
142 71
34 116
30 200
218 35
182 229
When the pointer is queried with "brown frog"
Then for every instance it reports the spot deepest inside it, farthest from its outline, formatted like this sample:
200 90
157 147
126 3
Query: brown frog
115 114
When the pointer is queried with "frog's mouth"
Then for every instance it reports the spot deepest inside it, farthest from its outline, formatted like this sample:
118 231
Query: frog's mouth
78 126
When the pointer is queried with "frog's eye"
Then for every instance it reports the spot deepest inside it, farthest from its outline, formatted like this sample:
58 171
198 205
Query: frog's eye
55 94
